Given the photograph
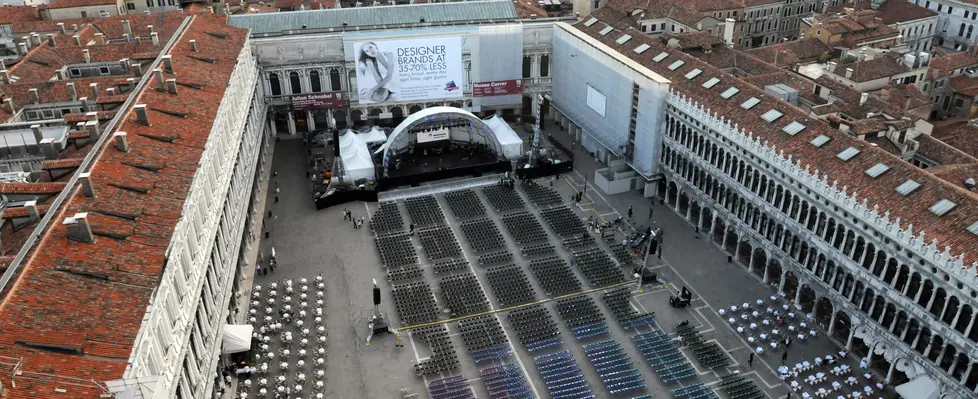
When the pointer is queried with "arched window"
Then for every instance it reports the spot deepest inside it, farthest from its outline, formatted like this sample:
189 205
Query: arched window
314 82
334 80
294 83
274 84
527 66
544 66
961 31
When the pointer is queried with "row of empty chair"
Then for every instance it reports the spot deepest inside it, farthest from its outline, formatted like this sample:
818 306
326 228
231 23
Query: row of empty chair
740 387
540 195
564 222
443 356
662 354
510 285
396 249
614 367
439 243
538 250
563 377
483 236
454 387
698 390
534 327
708 353
555 276
582 317
524 228
424 211
415 302
503 199
465 204
495 258
621 253
597 267
451 265
463 295
483 336
387 219
405 272
505 382
618 301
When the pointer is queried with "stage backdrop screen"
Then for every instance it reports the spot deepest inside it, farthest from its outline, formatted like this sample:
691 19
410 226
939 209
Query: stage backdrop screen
434 135
409 70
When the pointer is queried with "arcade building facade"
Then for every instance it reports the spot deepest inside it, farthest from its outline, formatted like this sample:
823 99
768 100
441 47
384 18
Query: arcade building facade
872 284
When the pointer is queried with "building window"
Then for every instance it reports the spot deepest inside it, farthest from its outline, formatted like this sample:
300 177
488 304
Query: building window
295 84
31 115
103 70
84 14
75 72
314 82
971 29
274 84
527 66
545 66
961 30
171 2
48 114
130 6
334 80
149 3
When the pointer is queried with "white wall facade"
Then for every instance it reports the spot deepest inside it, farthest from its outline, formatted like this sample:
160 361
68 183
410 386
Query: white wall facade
179 343
957 22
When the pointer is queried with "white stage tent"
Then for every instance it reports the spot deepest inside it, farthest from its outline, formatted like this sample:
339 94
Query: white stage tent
356 156
375 135
510 142
237 338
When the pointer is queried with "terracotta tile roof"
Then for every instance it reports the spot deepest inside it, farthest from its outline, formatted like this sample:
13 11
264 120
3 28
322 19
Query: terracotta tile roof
31 188
258 9
81 117
955 174
78 3
892 11
97 319
61 163
55 91
21 212
941 152
694 40
876 68
78 134
715 5
660 9
944 65
116 99
18 14
755 3
528 8
964 85
963 137
947 230
40 64
885 144
806 50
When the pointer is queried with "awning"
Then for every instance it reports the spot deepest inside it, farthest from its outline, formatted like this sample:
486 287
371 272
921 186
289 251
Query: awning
237 338
920 388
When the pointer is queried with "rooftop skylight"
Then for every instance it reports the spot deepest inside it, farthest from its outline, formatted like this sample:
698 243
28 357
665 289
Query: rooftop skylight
820 140
973 228
848 153
710 83
750 103
771 116
942 207
907 187
694 73
661 56
623 39
729 93
606 31
675 65
794 128
877 170
641 49
590 22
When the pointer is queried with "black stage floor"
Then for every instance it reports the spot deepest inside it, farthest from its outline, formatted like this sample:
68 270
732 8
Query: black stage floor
426 164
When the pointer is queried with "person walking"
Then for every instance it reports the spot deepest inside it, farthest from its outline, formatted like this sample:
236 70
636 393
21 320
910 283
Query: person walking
355 224
344 214
361 221
787 342
411 228
552 180
630 212
624 242
750 360
784 356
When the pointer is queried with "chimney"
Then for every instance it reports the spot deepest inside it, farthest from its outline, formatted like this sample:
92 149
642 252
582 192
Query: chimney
121 141
76 39
32 211
5 75
74 28
61 28
126 27
35 98
99 38
137 67
125 36
193 46
849 73
51 40
49 149
88 56
158 74
167 63
84 104
78 228
156 38
728 31
110 91
85 179
71 89
171 86
885 93
92 128
22 48
150 28
94 88
139 41
906 104
863 97
38 134
9 102
35 39
141 115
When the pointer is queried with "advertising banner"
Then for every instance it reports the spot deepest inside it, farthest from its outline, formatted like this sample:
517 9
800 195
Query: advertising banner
307 102
419 69
497 88
434 135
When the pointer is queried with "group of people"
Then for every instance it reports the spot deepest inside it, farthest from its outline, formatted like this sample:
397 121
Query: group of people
348 215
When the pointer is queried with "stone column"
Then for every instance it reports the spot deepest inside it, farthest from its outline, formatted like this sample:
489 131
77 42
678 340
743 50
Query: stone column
832 323
271 125
967 331
310 121
967 372
889 373
798 294
784 276
291 124
852 334
947 302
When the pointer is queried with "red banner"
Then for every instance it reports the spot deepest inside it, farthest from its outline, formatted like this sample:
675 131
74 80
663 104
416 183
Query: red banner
497 88
307 102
